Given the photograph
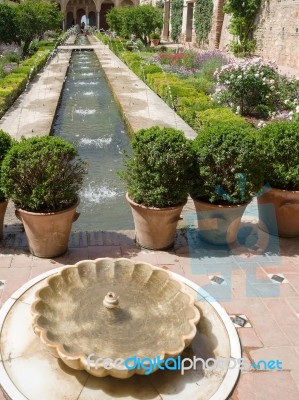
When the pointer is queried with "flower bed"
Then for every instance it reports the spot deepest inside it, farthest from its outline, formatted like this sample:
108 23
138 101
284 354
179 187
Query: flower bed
14 80
183 80
254 88
13 84
192 82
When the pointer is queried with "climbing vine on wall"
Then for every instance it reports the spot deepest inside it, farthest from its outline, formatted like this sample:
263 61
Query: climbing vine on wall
203 11
242 24
176 18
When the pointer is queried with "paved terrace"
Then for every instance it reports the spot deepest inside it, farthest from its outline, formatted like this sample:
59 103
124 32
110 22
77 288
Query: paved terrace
271 329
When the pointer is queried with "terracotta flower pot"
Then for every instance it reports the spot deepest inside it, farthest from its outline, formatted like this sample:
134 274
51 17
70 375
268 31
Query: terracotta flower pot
48 233
3 206
218 224
279 212
155 227
155 42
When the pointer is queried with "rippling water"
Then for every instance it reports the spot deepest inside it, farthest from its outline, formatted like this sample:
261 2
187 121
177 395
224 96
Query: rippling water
92 121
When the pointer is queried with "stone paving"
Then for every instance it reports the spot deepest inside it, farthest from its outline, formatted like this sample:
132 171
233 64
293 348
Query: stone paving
256 281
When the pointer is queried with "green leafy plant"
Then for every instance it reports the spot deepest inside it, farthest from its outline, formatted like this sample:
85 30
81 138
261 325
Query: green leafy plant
140 21
8 33
228 165
203 11
242 24
34 17
155 35
6 143
279 146
215 116
176 18
157 174
42 174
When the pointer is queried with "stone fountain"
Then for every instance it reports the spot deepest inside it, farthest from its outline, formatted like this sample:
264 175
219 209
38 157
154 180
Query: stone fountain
114 309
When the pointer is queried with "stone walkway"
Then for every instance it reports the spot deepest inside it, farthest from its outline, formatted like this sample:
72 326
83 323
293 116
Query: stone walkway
142 108
33 112
256 280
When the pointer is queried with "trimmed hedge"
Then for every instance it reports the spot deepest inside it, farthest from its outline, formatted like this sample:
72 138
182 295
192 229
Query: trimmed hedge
228 164
13 84
187 107
158 172
42 174
279 146
215 116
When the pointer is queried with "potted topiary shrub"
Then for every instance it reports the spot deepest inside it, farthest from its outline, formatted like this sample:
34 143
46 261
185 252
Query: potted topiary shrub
43 176
228 173
157 180
279 205
155 39
5 144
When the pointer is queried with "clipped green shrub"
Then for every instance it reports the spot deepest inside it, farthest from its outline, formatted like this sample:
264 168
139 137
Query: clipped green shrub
129 57
156 80
24 69
151 69
188 106
201 84
157 174
13 84
42 174
6 143
279 146
215 116
228 164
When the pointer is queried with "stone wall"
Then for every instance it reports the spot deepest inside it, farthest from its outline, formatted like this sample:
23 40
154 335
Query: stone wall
277 32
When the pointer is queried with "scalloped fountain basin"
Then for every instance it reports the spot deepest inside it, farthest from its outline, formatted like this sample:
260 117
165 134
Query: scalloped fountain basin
114 309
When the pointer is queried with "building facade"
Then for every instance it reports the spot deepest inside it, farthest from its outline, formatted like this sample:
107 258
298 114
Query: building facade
94 10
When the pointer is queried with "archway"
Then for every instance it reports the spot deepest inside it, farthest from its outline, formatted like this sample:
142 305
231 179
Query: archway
80 16
106 6
92 18
70 21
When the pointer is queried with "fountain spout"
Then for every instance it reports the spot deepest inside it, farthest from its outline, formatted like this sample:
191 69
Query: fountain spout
111 300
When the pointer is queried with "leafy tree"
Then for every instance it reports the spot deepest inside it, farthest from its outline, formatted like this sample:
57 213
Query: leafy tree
140 21
176 18
8 23
35 17
203 11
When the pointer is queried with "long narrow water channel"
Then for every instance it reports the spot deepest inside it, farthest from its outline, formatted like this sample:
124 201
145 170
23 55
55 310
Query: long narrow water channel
88 117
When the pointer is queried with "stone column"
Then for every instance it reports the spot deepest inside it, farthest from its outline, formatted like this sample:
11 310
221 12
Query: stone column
98 19
75 15
86 13
165 33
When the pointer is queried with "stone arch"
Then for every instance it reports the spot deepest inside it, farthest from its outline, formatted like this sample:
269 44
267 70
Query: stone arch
126 3
105 7
70 20
92 18
79 14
